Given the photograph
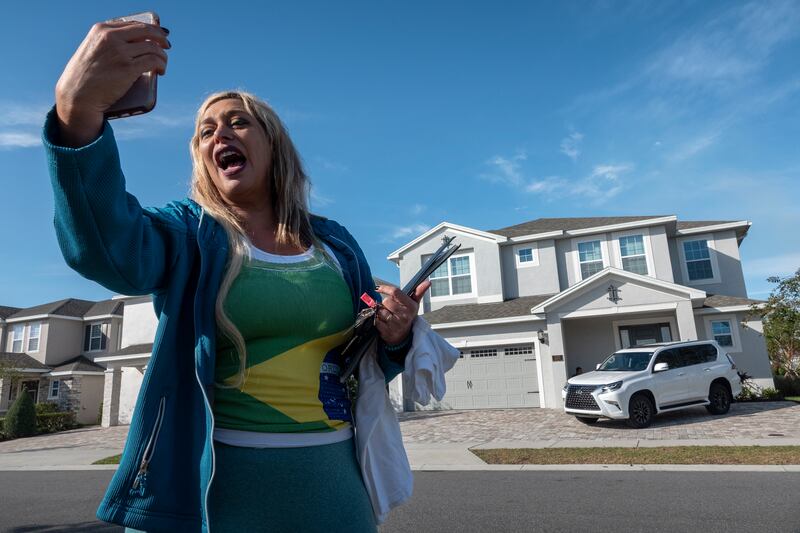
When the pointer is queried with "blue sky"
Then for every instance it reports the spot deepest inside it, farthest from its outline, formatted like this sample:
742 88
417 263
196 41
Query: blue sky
484 114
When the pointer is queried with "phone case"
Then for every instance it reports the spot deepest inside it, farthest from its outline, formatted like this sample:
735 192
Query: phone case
141 97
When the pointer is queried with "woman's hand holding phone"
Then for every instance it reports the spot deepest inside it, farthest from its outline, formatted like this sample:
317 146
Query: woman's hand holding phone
106 64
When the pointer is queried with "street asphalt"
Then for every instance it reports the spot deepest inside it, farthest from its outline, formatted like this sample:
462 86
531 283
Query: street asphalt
496 502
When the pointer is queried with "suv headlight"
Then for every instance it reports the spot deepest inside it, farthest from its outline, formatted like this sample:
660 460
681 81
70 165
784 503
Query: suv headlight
566 386
611 386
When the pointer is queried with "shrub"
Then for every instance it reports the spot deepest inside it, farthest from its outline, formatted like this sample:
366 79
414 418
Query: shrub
21 418
52 422
46 407
787 385
2 433
771 394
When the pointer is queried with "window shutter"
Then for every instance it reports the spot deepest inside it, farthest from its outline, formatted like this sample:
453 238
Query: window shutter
86 335
104 336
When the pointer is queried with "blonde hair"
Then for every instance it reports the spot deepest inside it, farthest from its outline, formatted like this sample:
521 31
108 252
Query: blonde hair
288 190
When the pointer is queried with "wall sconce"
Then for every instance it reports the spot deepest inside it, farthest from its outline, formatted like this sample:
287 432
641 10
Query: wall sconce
542 336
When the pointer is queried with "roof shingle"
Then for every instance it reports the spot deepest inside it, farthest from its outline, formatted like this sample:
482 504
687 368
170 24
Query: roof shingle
467 312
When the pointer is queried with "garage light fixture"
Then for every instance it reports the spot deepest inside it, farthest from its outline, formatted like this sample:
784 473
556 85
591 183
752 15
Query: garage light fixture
542 336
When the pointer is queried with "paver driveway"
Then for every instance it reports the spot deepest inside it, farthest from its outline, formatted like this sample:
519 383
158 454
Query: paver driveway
755 420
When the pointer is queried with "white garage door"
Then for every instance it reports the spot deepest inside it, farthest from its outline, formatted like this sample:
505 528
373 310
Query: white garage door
493 377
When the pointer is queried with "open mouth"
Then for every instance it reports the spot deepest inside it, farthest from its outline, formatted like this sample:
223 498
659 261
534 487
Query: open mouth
230 160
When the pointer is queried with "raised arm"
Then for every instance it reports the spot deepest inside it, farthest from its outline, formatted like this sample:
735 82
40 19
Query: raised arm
102 230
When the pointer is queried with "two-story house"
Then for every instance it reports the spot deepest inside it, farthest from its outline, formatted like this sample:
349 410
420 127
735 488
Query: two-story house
51 349
529 304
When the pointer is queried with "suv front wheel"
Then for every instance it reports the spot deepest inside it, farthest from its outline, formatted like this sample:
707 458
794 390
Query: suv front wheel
720 399
640 411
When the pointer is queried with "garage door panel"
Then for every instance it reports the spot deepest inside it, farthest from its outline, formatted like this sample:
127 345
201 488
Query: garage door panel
480 381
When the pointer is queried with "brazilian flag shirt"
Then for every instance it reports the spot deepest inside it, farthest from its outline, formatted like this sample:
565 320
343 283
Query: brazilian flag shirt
294 313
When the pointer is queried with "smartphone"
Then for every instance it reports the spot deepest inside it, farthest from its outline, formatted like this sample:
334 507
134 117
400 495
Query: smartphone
141 97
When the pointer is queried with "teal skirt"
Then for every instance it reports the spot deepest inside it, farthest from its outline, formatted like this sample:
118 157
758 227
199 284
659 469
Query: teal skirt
315 488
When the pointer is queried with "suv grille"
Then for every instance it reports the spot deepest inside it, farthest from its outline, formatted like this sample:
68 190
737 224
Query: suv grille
580 397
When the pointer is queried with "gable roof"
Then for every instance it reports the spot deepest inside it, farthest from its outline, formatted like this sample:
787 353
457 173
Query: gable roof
21 360
516 307
720 300
71 307
78 364
6 311
568 294
542 225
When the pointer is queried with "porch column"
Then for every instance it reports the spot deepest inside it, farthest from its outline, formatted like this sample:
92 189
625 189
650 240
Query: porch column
5 387
111 389
554 371
686 324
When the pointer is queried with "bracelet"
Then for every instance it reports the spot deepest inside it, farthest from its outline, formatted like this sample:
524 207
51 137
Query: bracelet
397 347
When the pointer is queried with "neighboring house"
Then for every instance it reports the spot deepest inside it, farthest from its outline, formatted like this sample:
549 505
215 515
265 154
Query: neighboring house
52 347
530 303
126 367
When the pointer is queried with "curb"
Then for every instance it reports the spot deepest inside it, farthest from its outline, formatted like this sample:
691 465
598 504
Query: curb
610 468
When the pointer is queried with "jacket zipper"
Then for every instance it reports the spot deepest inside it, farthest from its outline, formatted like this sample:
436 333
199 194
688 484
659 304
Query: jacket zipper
210 411
141 475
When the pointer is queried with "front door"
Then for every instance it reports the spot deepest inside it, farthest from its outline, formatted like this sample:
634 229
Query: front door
639 335
32 388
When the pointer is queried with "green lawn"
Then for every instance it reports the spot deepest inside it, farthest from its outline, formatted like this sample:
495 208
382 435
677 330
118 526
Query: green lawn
682 455
113 460
793 398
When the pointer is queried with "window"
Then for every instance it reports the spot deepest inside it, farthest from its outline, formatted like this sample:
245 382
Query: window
95 337
691 355
483 353
525 255
54 385
709 353
33 337
631 249
590 257
698 260
520 350
668 356
17 332
721 330
453 278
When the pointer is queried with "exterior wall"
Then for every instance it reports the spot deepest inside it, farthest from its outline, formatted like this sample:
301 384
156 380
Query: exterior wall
129 391
487 271
491 334
630 293
541 278
662 260
750 350
140 321
725 260
587 342
62 339
563 247
91 399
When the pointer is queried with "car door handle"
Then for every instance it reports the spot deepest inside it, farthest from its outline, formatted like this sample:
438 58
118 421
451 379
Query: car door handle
707 369
682 374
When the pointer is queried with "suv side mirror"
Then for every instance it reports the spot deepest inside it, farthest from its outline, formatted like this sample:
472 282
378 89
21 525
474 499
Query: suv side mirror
660 367
597 366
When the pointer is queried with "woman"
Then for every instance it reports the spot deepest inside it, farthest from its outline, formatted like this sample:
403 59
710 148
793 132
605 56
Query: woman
241 422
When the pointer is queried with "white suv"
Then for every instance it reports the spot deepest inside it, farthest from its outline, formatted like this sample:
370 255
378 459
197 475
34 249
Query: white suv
636 383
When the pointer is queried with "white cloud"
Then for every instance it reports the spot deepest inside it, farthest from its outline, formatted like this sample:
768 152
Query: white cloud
549 184
19 139
570 145
506 170
329 165
412 229
318 200
694 147
779 265
731 47
417 209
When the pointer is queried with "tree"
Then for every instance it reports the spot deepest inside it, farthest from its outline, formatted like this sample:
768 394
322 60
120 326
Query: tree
21 418
781 319
8 374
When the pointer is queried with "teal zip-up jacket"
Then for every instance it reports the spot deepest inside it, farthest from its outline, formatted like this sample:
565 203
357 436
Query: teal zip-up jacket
178 254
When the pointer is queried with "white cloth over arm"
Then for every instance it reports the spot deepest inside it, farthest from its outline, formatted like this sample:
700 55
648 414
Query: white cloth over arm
381 455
